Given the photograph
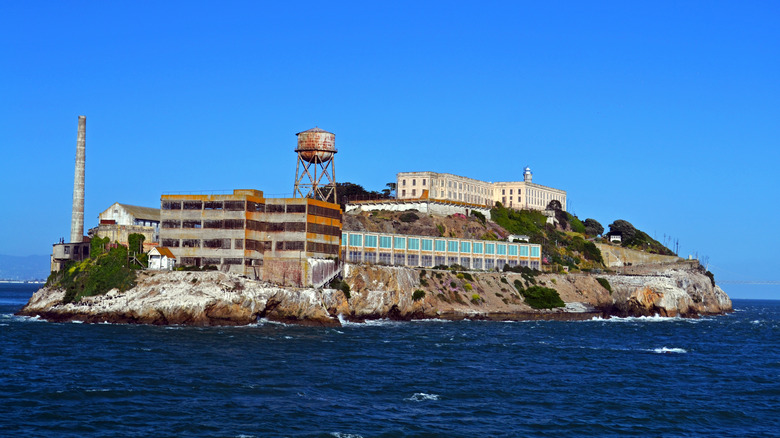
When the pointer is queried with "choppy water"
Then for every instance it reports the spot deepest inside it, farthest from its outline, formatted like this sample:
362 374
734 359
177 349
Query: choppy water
715 376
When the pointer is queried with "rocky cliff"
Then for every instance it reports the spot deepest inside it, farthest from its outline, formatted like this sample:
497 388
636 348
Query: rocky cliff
215 298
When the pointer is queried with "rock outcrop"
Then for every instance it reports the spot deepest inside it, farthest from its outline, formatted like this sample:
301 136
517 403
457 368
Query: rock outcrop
674 290
215 298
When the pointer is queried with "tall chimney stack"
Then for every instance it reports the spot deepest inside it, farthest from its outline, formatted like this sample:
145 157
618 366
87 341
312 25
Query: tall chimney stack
77 219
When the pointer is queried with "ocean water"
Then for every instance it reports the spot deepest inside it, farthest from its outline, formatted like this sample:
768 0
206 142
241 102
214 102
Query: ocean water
715 376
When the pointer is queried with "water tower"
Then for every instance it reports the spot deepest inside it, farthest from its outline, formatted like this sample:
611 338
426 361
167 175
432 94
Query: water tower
315 173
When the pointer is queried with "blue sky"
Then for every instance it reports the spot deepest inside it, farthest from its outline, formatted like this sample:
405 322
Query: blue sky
664 114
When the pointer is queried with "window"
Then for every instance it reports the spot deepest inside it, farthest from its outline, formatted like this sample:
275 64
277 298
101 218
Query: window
414 192
403 183
403 192
440 245
452 246
414 182
171 224
355 240
171 205
190 224
490 248
501 249
384 241
217 243
503 191
423 181
534 251
513 250
477 248
427 244
399 242
371 241
465 246
235 205
413 244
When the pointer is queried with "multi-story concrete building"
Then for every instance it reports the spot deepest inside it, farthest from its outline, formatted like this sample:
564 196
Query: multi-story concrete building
445 186
120 220
245 233
514 194
426 251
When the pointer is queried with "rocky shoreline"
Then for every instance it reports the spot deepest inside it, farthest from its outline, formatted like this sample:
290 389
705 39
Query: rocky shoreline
382 292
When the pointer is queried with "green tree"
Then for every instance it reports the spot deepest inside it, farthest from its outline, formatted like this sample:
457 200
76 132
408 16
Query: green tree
135 243
624 229
593 227
97 246
575 223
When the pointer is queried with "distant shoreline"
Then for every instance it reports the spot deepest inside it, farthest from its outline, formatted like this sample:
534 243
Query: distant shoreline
23 281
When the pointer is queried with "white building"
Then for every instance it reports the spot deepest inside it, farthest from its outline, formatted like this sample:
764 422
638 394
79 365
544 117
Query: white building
523 194
161 259
120 220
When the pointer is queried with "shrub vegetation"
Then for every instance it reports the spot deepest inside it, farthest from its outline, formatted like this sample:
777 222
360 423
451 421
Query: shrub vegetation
605 284
539 297
94 276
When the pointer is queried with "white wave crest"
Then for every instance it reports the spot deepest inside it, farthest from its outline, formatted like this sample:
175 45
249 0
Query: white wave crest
345 435
669 350
19 318
421 396
654 318
367 322
343 321
263 321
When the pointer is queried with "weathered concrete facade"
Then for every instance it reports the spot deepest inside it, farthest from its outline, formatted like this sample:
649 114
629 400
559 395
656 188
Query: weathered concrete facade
63 253
121 220
246 233
444 186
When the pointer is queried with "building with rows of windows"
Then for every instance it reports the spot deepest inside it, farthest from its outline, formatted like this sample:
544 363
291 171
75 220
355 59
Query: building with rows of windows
246 233
444 186
426 251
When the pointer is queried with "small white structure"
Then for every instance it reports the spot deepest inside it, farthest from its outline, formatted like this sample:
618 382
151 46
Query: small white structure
517 238
615 238
161 259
